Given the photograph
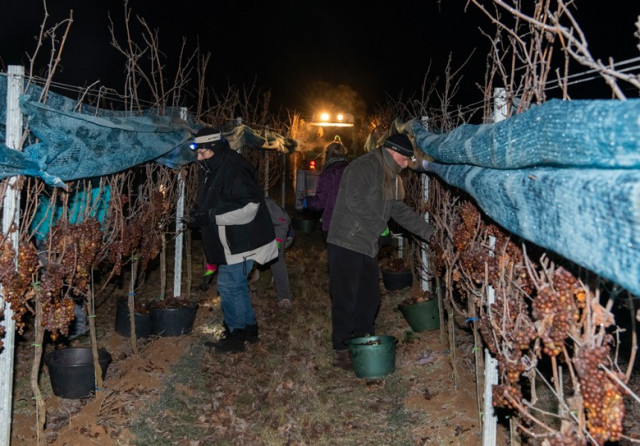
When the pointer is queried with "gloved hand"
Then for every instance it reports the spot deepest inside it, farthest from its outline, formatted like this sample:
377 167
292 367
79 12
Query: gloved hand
199 219
190 223
305 203
208 276
207 280
279 243
385 239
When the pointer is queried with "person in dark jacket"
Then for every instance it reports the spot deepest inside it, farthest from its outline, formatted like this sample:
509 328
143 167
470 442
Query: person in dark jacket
370 194
236 231
328 183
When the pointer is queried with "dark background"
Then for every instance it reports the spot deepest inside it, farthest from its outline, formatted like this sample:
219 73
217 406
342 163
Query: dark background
292 48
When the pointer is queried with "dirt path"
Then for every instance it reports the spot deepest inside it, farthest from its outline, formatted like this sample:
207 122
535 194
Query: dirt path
282 391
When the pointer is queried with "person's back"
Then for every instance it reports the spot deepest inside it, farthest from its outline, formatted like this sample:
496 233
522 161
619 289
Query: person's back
329 183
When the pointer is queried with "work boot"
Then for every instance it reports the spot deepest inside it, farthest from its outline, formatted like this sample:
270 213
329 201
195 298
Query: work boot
251 333
233 342
76 331
342 359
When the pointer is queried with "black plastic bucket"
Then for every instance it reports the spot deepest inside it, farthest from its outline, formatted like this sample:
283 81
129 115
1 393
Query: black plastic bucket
123 324
396 280
173 321
72 373
305 225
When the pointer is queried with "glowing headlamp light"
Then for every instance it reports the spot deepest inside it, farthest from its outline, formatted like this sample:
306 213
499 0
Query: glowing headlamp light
205 141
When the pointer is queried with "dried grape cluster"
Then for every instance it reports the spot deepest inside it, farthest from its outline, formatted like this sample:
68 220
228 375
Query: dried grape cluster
396 265
72 250
603 401
77 244
571 439
507 396
465 231
57 315
142 235
484 326
438 263
511 368
481 262
557 307
515 336
416 295
17 285
472 256
57 310
116 252
473 260
509 257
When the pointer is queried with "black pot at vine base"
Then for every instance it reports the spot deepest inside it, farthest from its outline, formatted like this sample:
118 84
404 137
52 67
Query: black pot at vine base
397 280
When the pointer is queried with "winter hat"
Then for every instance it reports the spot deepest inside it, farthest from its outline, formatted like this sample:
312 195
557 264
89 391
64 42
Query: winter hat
335 150
207 138
399 143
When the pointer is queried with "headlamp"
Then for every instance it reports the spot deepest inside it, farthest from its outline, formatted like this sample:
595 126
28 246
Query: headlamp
206 141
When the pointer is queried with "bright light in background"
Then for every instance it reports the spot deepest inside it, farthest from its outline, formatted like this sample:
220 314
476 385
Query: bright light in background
326 119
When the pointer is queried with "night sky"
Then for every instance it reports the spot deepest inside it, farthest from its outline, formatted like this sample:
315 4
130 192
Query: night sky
291 47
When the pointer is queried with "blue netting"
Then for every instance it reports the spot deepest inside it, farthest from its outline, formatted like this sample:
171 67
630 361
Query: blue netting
588 133
90 142
82 145
581 201
82 141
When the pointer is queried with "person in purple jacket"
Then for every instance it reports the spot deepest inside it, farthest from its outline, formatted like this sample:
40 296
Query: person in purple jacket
329 183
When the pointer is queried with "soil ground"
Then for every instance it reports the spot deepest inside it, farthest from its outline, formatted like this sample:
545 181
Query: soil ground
283 390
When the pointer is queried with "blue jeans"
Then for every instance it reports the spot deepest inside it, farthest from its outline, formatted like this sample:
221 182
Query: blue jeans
235 300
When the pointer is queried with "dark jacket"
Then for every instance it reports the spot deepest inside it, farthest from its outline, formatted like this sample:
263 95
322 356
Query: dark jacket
327 190
231 211
362 213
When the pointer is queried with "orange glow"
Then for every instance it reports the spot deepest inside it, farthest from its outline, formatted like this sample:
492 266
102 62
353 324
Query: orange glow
326 119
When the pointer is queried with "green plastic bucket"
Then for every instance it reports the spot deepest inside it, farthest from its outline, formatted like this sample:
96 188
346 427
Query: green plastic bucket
373 356
422 316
